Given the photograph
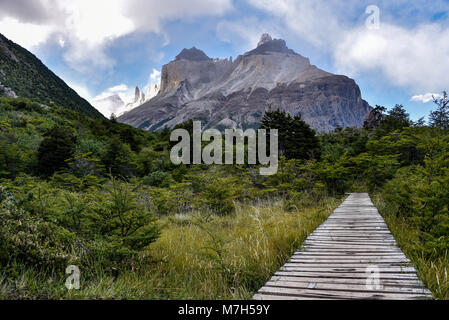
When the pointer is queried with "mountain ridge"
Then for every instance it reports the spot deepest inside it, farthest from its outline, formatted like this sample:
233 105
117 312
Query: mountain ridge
24 75
223 93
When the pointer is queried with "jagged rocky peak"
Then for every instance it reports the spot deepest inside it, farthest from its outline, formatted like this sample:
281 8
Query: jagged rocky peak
152 91
138 95
192 54
267 44
235 93
264 39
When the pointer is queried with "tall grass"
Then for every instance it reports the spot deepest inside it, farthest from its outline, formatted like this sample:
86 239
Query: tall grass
432 270
201 256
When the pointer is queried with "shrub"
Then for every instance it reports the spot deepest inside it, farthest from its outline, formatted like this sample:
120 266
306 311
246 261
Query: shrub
118 158
123 219
158 179
57 147
31 240
219 196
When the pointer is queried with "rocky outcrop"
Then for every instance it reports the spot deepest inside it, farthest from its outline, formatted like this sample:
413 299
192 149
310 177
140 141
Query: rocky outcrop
139 99
223 93
7 91
114 104
4 90
152 91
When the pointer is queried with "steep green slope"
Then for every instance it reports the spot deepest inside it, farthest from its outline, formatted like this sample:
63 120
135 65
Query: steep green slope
28 77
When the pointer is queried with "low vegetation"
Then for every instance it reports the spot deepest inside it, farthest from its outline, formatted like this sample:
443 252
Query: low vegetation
105 197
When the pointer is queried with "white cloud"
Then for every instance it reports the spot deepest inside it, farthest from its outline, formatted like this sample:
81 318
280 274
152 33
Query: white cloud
411 58
108 103
96 21
118 88
89 27
407 50
427 97
80 89
122 90
245 34
313 21
155 77
27 35
149 15
107 106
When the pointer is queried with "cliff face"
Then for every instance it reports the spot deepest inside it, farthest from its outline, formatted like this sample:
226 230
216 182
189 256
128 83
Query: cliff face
225 93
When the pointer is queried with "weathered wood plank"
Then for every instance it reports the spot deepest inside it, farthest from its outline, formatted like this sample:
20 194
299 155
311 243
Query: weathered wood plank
351 261
351 250
280 297
298 292
383 288
387 282
338 269
348 254
338 259
344 275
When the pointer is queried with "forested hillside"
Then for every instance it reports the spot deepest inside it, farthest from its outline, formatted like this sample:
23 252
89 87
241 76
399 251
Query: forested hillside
105 197
28 77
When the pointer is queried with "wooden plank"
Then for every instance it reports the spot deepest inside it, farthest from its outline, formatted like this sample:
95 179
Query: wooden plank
338 269
388 282
353 227
367 237
347 246
280 297
341 294
350 232
348 258
334 260
352 261
350 250
349 253
382 288
346 275
351 242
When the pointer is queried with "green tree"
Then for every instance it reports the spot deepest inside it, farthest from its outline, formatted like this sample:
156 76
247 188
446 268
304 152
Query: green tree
397 118
296 139
375 118
118 158
123 219
58 146
440 117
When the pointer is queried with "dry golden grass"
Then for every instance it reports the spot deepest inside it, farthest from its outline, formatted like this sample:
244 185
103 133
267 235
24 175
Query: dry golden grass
433 271
200 256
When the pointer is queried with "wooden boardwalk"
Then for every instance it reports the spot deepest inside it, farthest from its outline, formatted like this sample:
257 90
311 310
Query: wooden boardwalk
352 255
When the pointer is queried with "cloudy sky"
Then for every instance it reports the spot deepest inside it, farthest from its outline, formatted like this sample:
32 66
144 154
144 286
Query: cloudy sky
398 54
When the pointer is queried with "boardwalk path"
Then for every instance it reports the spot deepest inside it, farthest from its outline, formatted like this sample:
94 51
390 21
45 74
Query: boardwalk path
339 260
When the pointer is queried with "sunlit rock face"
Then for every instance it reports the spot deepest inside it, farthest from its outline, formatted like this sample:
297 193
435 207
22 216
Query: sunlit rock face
224 93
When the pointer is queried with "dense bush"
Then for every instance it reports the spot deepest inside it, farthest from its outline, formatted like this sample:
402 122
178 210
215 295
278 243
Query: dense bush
57 147
158 179
90 191
31 239
297 140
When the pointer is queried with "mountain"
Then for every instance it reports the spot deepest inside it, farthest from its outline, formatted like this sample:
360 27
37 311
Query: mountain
139 99
223 93
113 104
153 90
22 74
